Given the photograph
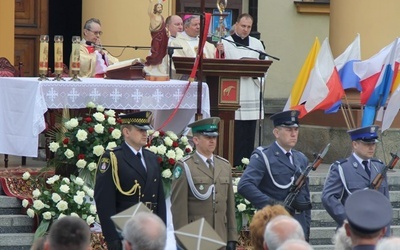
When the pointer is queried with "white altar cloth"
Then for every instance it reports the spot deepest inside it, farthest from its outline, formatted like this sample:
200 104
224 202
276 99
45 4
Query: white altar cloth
24 100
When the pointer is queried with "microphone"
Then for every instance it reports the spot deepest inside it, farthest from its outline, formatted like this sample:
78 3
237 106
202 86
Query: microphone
262 54
89 43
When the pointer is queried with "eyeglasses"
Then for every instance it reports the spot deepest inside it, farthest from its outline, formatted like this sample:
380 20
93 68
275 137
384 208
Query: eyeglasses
97 33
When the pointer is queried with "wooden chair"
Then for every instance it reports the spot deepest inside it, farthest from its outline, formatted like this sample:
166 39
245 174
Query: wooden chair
8 70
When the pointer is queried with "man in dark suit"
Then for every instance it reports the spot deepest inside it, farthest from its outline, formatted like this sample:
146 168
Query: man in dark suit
126 175
202 185
272 170
353 173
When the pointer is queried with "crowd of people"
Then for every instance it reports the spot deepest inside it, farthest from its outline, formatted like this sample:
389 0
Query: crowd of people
202 182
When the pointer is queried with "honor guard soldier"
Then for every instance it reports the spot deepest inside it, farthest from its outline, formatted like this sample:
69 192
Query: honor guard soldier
369 215
353 173
126 175
273 169
202 185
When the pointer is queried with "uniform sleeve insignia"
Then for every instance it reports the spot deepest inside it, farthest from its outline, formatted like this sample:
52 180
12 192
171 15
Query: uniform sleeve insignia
177 172
104 165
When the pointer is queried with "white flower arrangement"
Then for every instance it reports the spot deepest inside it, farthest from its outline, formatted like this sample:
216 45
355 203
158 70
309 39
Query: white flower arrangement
243 208
80 141
169 148
55 197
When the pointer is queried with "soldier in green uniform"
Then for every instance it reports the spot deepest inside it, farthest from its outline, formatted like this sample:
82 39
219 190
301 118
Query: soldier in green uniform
202 185
127 175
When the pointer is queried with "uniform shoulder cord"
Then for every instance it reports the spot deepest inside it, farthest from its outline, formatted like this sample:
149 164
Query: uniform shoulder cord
114 166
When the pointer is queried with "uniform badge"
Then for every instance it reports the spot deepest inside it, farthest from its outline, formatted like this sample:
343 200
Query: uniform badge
104 165
355 164
201 187
177 172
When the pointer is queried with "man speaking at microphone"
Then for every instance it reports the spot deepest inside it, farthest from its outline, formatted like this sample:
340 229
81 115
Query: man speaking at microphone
247 115
94 60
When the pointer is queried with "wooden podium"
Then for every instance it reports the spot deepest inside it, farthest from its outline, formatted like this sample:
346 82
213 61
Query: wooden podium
223 79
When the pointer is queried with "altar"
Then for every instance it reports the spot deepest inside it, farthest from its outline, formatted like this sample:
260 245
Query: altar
25 100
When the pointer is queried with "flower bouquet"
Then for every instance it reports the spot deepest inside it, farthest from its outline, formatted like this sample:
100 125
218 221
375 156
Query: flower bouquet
80 141
56 197
169 148
244 209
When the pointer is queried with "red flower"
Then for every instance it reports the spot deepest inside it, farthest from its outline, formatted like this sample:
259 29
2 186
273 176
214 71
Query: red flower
171 161
91 129
119 120
66 140
159 159
110 130
162 133
175 144
188 150
88 119
81 156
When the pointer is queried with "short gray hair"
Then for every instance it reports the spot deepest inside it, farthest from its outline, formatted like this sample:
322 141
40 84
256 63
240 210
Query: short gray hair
145 231
295 244
187 21
341 240
280 229
88 23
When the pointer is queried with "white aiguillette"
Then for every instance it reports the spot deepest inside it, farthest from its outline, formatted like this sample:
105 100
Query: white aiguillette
131 69
121 218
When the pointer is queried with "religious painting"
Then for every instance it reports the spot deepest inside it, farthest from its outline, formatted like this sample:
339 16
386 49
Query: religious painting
218 30
229 91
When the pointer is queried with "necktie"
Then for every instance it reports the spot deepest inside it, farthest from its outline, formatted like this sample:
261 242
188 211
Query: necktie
288 154
210 164
140 160
365 163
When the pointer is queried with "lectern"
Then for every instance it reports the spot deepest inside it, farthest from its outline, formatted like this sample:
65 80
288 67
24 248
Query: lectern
223 79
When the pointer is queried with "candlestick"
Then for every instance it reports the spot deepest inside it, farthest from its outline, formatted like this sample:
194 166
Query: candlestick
58 57
43 57
75 58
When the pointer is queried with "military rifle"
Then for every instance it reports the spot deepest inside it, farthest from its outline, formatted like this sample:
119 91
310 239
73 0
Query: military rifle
376 183
289 201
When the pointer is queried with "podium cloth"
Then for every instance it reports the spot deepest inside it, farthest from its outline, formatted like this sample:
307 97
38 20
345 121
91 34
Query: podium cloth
24 100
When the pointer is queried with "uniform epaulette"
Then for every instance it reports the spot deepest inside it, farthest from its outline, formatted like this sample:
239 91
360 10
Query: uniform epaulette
183 159
341 161
376 160
221 158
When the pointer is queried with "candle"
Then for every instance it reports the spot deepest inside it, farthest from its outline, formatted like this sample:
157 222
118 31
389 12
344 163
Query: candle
75 60
58 54
43 53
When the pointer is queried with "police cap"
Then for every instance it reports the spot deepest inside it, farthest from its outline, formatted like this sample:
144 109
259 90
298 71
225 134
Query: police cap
137 119
368 211
366 134
207 126
289 118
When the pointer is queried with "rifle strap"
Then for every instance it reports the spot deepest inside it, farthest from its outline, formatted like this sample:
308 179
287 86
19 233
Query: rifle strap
270 173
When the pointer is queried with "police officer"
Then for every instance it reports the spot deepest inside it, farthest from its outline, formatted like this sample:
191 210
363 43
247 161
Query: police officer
369 213
202 185
273 169
353 173
126 175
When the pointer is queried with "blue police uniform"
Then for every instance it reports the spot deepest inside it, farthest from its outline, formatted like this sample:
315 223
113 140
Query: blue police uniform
348 175
270 174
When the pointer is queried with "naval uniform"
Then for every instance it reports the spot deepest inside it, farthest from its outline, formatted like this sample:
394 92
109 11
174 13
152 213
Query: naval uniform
110 200
268 178
188 206
344 177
